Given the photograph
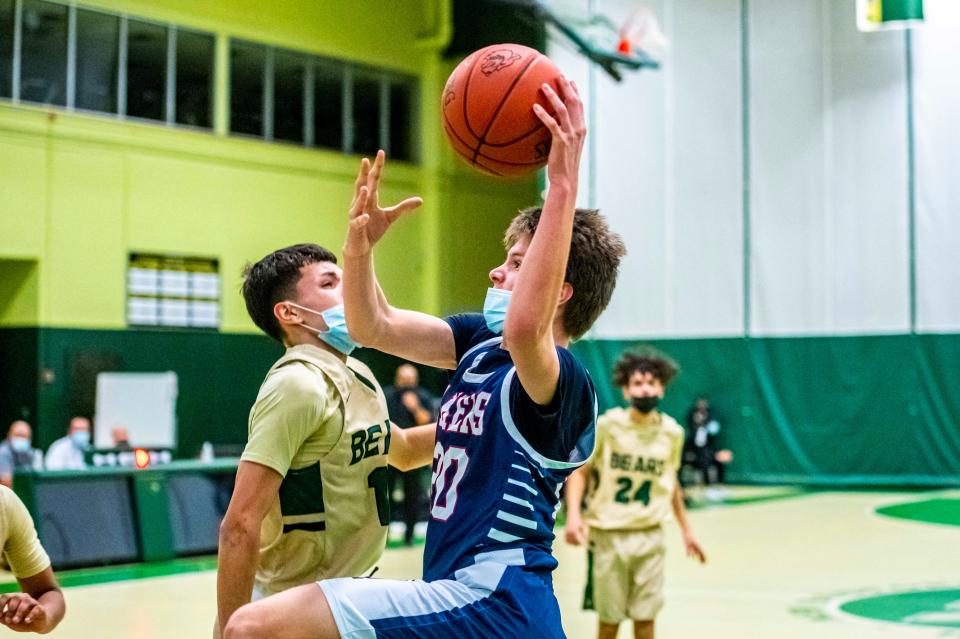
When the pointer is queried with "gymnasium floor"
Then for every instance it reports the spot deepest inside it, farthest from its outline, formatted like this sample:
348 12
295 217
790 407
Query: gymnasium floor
784 565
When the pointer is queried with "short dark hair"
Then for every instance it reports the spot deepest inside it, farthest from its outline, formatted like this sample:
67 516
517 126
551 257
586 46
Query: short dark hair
595 255
646 360
275 278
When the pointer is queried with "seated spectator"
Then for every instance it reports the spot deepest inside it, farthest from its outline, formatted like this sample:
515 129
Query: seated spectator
67 452
120 438
701 451
40 605
17 453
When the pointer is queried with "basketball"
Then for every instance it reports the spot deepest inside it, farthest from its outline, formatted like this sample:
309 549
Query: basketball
488 113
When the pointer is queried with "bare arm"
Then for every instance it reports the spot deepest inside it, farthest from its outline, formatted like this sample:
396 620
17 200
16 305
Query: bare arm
39 608
680 513
256 488
372 321
528 329
574 488
412 447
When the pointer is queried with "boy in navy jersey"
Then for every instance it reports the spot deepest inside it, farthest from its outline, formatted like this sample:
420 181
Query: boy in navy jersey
517 418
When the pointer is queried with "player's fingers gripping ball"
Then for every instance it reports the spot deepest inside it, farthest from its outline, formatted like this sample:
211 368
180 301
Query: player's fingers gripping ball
487 108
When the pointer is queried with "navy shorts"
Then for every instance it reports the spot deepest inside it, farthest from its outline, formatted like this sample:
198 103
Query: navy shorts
495 597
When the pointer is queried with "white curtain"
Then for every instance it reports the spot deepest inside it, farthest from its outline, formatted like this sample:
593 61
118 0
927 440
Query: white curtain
828 172
937 109
829 199
667 173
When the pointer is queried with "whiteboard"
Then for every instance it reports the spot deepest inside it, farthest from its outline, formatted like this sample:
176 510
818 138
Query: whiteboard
144 403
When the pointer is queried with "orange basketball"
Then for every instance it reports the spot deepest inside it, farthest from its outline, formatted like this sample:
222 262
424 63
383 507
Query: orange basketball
488 109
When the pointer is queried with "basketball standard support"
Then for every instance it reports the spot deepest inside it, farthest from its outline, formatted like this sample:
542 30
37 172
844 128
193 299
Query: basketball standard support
610 60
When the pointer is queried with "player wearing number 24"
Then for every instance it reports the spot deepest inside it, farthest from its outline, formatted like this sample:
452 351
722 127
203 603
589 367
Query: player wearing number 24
635 466
516 419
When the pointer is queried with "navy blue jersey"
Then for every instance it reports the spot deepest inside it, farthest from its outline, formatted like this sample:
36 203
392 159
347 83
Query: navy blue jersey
500 459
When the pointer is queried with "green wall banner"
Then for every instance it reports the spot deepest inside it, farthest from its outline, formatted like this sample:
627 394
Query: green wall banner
875 15
867 410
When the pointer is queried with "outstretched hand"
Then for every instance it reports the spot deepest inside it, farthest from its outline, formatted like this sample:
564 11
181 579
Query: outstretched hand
568 129
368 220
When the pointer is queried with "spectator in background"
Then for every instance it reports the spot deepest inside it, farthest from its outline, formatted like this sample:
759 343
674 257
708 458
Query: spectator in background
67 452
121 438
40 606
409 405
17 453
701 450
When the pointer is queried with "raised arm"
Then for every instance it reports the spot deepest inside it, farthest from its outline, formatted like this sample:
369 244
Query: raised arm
371 320
528 329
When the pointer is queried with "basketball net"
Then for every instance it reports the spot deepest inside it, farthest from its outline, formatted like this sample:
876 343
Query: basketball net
641 31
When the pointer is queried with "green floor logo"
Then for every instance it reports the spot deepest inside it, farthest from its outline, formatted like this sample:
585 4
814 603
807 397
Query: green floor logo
931 608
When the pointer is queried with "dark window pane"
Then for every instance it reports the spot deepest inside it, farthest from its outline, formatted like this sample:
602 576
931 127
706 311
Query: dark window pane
6 48
366 114
97 54
146 70
402 104
328 105
194 78
246 87
43 66
288 69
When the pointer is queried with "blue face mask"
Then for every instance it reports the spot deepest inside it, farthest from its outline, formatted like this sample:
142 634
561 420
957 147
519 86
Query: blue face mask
20 444
495 309
337 335
81 439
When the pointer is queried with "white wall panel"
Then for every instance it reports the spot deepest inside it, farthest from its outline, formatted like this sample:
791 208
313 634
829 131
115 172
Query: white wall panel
828 172
829 200
667 174
937 107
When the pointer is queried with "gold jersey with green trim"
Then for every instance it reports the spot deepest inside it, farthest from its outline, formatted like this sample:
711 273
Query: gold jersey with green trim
635 466
322 424
19 543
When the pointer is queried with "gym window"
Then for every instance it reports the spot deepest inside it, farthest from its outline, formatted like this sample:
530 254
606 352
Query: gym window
90 60
174 291
325 103
6 47
85 59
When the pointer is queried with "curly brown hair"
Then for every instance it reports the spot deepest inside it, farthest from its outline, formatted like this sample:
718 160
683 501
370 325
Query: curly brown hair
592 267
647 360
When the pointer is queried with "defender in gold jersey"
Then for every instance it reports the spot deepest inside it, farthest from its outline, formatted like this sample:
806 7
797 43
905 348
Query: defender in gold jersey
633 489
40 606
311 498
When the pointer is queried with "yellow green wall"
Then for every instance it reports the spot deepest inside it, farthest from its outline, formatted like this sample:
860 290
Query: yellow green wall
79 192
